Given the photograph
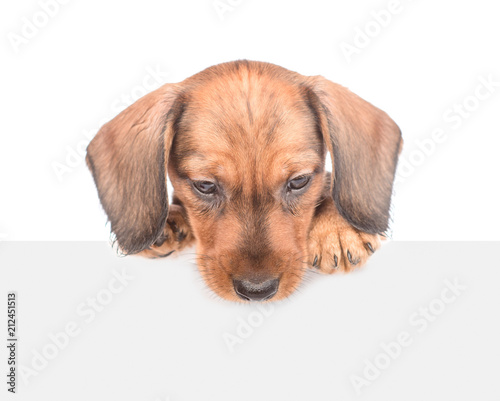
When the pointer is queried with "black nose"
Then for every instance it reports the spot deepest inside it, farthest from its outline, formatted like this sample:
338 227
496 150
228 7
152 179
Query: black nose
256 291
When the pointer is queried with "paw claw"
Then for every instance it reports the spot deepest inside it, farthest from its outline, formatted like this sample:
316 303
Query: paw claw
160 241
165 255
336 260
315 262
353 262
173 226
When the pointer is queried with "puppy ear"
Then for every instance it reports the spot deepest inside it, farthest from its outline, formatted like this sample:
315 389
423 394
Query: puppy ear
128 159
364 143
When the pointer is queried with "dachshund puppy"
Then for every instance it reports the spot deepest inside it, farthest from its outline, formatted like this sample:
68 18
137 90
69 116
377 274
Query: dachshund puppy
244 145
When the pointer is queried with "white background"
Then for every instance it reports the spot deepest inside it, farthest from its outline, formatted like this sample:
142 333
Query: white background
163 336
70 78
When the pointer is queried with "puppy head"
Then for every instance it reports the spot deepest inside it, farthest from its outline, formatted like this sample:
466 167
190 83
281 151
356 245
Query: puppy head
244 144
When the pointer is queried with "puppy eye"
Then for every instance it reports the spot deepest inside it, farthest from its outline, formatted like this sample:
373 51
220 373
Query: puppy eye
205 187
298 183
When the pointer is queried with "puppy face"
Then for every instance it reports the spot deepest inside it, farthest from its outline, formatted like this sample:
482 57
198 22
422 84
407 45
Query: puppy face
247 166
244 145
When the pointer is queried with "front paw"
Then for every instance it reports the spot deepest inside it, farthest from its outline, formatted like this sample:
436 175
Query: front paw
176 235
336 246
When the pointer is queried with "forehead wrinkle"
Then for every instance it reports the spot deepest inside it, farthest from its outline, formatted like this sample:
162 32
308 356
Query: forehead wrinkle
252 99
215 164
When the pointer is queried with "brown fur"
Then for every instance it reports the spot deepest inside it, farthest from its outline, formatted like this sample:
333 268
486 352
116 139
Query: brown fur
250 127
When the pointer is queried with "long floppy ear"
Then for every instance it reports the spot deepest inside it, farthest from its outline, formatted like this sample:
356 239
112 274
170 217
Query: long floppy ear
128 158
364 143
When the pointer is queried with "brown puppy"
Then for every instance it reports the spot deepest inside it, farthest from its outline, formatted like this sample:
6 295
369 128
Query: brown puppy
244 144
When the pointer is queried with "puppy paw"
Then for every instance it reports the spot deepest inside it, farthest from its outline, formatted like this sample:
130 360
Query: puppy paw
176 236
336 246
